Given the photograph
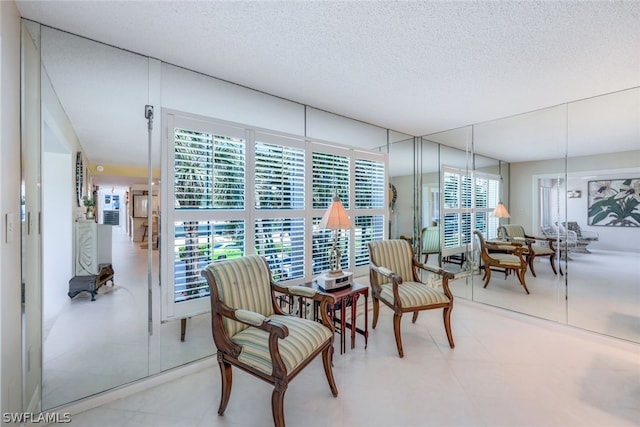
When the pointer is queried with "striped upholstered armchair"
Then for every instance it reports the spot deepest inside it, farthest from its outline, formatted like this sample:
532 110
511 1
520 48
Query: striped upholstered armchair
252 333
536 246
430 243
394 280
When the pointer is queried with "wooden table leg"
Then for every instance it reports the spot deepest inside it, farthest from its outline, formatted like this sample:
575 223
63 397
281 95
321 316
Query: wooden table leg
354 302
366 319
343 324
183 328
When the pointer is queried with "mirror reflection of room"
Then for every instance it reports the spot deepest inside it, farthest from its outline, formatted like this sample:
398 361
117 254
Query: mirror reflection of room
567 175
549 189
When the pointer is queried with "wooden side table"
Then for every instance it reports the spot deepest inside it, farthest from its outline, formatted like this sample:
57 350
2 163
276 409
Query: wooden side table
344 297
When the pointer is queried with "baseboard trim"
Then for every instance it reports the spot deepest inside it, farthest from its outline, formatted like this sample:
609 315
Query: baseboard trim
138 386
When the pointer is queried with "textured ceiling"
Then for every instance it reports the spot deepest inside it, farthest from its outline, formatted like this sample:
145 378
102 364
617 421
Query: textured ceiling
414 67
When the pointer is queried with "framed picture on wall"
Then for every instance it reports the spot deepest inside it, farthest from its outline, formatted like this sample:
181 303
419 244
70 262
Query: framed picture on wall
614 202
79 178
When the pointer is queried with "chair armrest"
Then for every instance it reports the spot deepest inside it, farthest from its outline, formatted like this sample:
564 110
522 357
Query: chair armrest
324 299
503 246
542 238
437 270
303 291
276 331
386 273
250 317
253 319
446 276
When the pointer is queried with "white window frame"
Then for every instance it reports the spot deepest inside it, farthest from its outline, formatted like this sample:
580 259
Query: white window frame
472 210
172 119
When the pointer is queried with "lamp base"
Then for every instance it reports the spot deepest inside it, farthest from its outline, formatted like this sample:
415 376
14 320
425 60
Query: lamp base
330 281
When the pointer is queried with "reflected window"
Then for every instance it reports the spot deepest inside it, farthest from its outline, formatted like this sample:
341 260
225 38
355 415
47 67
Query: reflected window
469 198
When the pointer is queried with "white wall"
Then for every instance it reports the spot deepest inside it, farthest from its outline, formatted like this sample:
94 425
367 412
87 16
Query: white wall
609 238
57 232
524 193
402 216
194 93
10 307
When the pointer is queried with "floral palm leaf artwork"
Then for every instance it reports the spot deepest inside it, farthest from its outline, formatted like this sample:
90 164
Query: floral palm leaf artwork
615 202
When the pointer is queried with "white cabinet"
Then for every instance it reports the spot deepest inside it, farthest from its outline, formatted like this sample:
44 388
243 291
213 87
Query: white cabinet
93 247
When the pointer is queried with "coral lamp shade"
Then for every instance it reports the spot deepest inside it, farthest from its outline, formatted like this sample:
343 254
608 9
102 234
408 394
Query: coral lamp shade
336 218
501 211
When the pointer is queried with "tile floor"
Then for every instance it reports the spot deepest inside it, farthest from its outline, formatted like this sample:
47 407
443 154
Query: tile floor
507 369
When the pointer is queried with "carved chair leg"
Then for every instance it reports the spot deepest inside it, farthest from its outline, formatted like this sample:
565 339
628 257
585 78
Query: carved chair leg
227 379
521 276
328 370
376 311
552 260
531 266
487 275
277 403
426 257
396 330
415 316
446 314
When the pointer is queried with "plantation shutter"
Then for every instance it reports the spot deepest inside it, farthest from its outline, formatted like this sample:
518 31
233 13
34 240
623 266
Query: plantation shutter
207 203
279 230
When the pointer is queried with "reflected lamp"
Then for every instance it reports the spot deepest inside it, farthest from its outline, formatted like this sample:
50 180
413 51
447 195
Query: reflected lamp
501 211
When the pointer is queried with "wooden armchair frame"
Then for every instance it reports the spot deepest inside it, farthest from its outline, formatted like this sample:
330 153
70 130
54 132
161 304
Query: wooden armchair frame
534 248
229 352
508 256
407 288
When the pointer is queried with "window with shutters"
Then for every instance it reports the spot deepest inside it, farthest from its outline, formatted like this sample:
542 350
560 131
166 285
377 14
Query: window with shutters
468 200
370 192
208 174
487 196
280 218
367 229
232 191
369 184
331 177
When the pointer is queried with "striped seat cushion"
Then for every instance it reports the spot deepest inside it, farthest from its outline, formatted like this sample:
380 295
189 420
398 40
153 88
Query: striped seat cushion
506 259
413 294
542 250
305 336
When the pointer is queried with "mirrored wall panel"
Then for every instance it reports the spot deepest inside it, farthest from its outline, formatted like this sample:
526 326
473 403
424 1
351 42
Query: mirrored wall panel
454 222
601 197
95 270
531 151
402 206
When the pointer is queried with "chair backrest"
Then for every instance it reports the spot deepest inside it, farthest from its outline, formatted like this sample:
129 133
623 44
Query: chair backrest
513 230
483 246
243 282
573 226
431 240
396 255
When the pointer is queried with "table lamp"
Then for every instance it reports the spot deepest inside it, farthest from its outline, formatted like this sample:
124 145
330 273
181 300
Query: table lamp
336 219
500 212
